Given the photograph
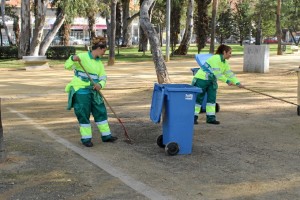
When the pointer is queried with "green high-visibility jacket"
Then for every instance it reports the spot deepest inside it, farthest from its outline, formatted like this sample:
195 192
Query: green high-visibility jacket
93 66
216 67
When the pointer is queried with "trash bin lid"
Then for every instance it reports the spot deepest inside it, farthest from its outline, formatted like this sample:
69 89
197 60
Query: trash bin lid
181 88
201 58
157 103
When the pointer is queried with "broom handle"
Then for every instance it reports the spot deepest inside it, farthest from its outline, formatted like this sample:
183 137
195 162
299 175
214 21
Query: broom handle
93 82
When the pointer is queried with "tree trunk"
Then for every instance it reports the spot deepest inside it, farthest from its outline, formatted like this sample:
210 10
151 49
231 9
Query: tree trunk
127 34
119 24
126 31
185 42
143 40
278 27
160 66
51 34
16 29
4 23
2 149
25 29
65 32
92 22
112 38
202 28
213 26
39 26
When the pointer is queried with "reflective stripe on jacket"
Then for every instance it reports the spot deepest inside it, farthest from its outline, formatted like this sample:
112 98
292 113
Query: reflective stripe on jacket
216 67
93 66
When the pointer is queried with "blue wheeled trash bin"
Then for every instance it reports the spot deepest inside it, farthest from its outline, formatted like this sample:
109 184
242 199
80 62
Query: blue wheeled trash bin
201 59
177 103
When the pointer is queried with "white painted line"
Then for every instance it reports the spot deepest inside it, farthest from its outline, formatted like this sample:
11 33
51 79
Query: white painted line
99 161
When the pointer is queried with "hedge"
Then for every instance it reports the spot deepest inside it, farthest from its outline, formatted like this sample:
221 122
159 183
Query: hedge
60 52
53 52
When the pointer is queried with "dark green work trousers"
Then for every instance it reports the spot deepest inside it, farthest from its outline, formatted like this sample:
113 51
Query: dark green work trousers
210 87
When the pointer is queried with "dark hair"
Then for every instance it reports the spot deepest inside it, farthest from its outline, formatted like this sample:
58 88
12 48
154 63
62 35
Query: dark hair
223 48
99 42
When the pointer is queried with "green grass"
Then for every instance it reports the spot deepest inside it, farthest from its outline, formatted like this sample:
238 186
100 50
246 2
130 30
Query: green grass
132 55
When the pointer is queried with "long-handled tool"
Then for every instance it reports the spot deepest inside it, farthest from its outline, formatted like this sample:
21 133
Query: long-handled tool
298 106
128 140
270 96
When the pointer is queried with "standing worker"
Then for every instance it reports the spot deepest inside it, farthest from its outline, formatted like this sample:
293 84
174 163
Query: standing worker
215 68
84 97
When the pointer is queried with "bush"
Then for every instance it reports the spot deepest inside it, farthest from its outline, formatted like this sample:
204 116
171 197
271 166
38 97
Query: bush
8 52
60 52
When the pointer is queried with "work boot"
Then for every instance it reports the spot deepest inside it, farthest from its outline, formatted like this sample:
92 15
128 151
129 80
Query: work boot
213 122
88 144
195 119
109 138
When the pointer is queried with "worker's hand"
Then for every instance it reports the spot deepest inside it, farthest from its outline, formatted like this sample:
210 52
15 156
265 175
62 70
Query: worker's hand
97 87
76 58
241 85
229 83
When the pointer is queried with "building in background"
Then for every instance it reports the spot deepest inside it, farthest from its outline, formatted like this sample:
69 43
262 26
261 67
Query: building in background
79 27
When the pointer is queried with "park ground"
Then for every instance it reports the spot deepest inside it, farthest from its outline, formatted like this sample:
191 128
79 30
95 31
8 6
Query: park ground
253 154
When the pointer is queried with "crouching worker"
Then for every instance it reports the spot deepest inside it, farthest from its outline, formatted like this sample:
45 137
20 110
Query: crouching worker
215 68
84 96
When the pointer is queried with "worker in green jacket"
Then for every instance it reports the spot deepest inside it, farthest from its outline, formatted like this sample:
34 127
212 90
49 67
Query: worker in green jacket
84 96
215 68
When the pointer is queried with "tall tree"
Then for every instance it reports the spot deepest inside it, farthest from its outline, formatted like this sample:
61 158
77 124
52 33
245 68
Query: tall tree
127 23
225 24
24 45
176 8
11 11
278 28
189 23
213 26
159 18
40 9
202 23
50 35
112 32
4 22
160 66
143 42
242 17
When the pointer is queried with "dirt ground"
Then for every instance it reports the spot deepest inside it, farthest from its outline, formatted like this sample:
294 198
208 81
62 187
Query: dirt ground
253 154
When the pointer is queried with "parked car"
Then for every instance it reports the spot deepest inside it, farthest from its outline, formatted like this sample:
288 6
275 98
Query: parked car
75 41
270 40
249 41
86 41
231 41
56 40
4 43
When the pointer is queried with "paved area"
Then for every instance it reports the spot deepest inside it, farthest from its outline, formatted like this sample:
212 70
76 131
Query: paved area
253 154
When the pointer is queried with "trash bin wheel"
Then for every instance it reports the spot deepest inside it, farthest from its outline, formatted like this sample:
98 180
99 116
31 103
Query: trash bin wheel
298 110
172 149
217 107
159 141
